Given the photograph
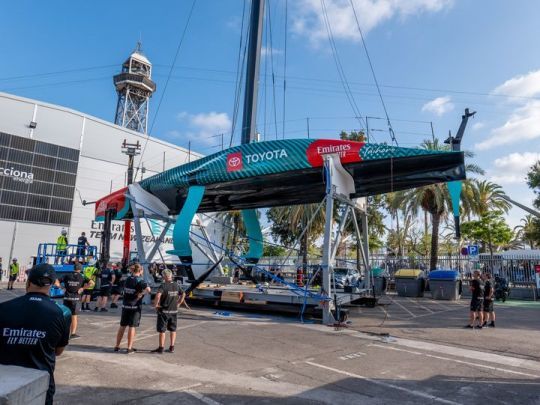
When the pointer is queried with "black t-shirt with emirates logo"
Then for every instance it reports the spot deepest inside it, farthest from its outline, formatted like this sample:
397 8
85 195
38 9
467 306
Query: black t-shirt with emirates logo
73 283
168 302
31 328
133 288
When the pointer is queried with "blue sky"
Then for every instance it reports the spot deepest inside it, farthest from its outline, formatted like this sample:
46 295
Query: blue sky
433 58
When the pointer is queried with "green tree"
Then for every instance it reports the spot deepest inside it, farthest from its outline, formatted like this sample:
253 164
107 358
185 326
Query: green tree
529 230
272 250
488 196
490 230
289 222
533 180
358 136
435 200
234 228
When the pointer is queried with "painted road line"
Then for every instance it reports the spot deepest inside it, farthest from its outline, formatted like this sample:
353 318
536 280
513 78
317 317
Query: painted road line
352 356
470 354
418 304
148 364
501 360
402 306
503 370
201 397
415 393
181 389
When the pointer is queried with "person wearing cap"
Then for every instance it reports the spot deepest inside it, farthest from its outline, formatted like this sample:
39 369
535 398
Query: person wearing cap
74 284
61 247
134 290
13 273
34 328
107 278
117 284
168 297
90 274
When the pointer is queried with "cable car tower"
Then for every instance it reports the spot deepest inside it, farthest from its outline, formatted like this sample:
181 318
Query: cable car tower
134 86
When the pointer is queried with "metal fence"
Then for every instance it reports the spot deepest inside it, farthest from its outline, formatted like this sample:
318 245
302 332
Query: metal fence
519 270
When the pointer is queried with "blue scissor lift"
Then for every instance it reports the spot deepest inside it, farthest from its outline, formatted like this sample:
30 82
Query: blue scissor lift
62 261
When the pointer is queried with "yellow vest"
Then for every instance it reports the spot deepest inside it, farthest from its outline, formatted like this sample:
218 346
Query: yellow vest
14 269
61 243
90 274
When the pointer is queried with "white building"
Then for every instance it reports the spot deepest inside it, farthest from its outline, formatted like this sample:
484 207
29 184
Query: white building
51 159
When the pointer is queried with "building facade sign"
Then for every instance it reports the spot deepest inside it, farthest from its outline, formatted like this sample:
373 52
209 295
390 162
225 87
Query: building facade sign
37 180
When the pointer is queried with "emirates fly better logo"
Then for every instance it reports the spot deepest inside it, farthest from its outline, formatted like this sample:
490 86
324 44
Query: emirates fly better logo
234 162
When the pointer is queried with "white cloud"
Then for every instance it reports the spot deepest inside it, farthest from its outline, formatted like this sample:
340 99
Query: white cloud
478 126
308 20
527 85
522 125
520 162
513 168
204 127
439 106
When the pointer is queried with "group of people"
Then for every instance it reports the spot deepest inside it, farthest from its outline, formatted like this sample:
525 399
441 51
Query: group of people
481 313
62 248
36 329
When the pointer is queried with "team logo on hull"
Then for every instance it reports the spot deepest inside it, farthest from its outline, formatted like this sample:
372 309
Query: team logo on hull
234 162
348 151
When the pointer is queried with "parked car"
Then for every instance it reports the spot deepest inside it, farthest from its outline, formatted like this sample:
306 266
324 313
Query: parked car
345 277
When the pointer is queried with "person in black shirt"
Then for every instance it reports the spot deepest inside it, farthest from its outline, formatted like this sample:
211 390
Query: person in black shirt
489 313
477 300
134 289
34 330
82 243
74 284
107 279
168 297
116 290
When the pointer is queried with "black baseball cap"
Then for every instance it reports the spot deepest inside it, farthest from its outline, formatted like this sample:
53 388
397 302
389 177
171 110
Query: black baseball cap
42 275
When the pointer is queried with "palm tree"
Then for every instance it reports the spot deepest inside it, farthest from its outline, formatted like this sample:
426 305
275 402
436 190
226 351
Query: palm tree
289 222
488 196
234 226
435 199
526 230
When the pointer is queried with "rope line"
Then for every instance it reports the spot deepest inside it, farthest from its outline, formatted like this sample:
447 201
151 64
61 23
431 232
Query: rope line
390 129
166 84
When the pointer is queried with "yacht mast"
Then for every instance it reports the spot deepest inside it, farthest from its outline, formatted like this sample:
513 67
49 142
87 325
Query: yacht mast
249 118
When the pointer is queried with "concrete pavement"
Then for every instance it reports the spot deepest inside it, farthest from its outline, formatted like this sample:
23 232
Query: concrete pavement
419 354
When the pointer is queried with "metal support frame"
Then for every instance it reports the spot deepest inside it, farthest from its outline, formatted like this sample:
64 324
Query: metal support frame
327 260
145 259
336 187
158 243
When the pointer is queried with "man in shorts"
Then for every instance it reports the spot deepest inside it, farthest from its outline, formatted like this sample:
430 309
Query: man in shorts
106 277
117 284
134 289
74 284
477 300
168 297
489 313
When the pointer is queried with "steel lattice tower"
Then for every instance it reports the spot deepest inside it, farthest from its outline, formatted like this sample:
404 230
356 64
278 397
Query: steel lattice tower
134 87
